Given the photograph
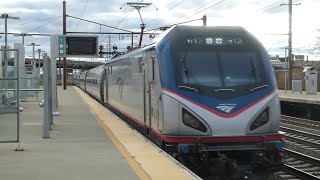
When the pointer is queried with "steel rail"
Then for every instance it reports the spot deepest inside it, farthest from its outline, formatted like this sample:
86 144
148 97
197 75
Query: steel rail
301 174
302 157
299 121
302 133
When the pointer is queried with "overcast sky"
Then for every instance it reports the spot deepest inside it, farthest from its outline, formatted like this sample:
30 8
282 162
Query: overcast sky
260 17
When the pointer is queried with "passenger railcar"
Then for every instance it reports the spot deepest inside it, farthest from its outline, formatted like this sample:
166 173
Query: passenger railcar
82 82
95 82
206 95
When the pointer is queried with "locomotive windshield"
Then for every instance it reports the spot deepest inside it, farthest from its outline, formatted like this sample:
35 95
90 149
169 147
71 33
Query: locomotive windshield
220 70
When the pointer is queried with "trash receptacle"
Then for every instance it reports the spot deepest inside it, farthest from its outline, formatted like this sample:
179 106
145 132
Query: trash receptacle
310 77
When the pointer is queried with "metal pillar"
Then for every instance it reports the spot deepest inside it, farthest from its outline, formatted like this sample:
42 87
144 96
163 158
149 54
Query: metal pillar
18 99
39 53
23 80
285 71
54 42
290 44
39 60
64 17
47 112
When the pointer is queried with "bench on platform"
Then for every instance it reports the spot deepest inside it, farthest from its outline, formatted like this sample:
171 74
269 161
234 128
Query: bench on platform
9 100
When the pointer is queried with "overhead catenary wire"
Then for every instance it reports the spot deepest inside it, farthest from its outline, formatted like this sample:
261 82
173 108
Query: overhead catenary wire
84 9
176 5
205 5
215 4
36 21
98 23
121 20
155 29
42 25
199 9
270 5
117 42
172 7
275 7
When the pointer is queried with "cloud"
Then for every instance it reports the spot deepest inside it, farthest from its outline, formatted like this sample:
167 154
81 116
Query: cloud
258 17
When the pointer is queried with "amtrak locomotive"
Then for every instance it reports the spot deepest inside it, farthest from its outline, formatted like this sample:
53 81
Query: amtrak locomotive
206 95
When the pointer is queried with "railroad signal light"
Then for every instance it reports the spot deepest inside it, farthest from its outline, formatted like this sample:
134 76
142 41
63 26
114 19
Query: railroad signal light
152 36
100 51
115 48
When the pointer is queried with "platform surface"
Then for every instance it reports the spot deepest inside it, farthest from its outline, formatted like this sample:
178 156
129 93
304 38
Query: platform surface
299 97
87 142
77 150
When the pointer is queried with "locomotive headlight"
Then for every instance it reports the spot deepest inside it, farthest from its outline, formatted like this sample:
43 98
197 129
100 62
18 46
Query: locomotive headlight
191 121
262 119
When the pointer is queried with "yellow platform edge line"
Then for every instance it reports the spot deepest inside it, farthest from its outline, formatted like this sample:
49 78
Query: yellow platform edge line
141 173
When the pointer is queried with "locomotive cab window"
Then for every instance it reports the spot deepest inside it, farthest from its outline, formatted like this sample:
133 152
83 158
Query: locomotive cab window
221 69
214 70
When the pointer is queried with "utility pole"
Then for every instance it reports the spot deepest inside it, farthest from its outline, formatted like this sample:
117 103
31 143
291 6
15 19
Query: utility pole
131 40
39 53
6 17
33 51
138 6
60 69
109 46
204 19
39 62
64 17
290 58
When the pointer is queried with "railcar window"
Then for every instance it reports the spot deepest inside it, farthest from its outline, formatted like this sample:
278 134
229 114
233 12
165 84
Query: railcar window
152 68
140 64
107 71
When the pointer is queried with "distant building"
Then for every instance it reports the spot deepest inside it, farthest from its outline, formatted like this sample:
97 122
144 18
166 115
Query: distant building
277 62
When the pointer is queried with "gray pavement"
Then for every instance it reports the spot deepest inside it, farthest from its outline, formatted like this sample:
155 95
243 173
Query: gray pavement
78 148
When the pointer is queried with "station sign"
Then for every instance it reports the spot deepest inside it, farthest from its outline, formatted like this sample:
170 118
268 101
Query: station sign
78 46
61 46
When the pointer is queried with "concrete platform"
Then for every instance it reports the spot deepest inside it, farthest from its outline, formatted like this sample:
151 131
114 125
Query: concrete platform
78 148
87 142
299 97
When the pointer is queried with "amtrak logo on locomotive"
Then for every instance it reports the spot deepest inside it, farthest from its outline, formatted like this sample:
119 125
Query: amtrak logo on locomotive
226 107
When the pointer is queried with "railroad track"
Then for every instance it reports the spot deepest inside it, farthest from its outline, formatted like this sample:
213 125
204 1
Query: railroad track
301 123
301 137
299 166
302 132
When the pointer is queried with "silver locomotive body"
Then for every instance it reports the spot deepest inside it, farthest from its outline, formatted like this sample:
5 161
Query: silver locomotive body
205 91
